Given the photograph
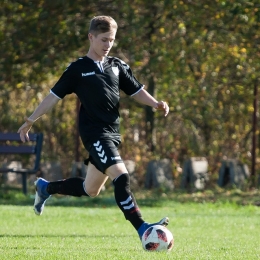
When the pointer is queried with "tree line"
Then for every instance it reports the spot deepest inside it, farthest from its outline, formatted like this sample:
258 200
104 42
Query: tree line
202 57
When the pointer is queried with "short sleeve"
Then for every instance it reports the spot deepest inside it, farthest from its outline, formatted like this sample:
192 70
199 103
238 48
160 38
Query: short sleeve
127 81
66 84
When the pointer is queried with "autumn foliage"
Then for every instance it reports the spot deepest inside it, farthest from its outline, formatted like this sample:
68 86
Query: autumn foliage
202 57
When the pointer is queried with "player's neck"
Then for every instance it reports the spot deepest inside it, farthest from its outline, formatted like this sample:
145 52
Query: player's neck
94 56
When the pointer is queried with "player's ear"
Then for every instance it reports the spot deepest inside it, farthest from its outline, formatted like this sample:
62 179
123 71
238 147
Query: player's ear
90 36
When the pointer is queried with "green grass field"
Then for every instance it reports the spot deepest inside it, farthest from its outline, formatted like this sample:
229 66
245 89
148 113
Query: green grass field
80 230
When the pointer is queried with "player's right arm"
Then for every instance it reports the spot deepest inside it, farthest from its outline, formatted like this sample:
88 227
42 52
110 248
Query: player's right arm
46 105
63 87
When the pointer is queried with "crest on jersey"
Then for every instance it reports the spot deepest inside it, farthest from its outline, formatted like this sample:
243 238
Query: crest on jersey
115 70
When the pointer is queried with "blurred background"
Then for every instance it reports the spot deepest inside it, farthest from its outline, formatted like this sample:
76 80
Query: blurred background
201 57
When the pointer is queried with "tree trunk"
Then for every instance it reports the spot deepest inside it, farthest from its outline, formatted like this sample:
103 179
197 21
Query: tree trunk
149 116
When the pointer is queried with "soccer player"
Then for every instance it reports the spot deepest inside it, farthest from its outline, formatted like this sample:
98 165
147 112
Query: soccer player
97 80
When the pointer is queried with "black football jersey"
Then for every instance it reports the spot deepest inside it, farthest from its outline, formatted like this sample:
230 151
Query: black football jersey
97 86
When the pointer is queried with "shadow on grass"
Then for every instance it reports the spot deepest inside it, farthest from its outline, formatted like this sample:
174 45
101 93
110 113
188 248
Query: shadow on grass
149 198
14 197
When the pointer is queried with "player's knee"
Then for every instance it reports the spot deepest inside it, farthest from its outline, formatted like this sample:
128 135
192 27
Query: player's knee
92 192
122 182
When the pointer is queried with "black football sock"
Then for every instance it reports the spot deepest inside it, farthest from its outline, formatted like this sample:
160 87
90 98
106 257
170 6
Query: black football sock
126 201
72 186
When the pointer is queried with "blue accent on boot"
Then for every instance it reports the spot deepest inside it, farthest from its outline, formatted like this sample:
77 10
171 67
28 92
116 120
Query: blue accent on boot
142 229
164 222
41 195
42 188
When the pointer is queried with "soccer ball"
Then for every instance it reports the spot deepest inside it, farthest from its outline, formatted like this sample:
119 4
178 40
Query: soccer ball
157 238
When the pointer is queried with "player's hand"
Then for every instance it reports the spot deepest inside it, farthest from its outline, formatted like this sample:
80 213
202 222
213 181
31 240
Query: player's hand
24 129
162 105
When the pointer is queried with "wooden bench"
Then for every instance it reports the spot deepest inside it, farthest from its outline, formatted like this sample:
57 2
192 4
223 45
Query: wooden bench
10 144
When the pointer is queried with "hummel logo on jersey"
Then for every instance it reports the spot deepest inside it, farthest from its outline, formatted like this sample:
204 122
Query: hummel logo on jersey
87 74
115 158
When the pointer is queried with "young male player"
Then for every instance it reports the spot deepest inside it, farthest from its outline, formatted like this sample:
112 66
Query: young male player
97 79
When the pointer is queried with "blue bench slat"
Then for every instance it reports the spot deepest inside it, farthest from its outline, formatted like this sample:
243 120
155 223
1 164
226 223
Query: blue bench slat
17 170
22 149
15 137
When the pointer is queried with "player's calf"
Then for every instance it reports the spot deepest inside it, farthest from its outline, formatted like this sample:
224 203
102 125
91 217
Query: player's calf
126 201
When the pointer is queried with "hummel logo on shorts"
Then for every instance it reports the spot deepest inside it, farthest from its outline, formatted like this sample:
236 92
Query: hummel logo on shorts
115 158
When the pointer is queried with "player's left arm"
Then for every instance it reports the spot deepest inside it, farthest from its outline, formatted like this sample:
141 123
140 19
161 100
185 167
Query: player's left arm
144 97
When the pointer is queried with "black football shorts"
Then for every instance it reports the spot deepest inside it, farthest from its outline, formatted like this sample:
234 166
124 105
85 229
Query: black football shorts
103 153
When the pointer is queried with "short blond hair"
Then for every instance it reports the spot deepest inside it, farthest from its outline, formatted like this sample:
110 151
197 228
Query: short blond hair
102 24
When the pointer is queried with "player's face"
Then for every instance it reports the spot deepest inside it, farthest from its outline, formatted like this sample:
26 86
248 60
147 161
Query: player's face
102 43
